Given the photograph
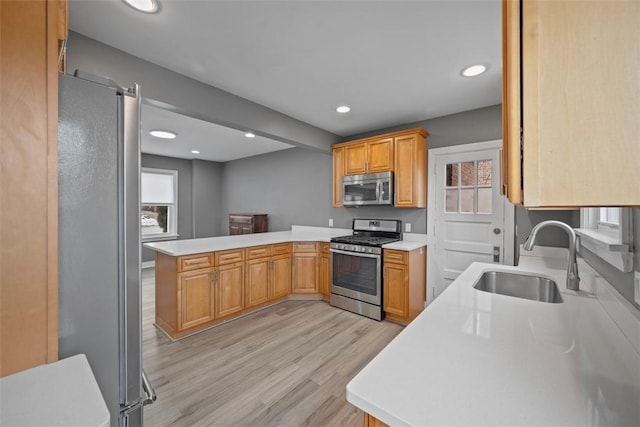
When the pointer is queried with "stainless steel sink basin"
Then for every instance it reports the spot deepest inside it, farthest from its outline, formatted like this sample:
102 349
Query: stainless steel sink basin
535 288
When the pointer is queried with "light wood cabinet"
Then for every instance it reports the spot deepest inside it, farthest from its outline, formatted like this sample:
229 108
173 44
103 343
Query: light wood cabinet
195 298
325 271
229 289
410 171
194 292
257 281
404 284
404 153
267 274
338 173
369 157
304 269
371 421
571 103
31 34
280 276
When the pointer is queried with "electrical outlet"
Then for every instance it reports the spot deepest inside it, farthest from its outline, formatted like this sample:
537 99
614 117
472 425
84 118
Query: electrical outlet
330 222
407 227
636 287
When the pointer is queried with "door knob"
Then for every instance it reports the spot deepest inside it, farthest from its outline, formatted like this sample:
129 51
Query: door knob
497 231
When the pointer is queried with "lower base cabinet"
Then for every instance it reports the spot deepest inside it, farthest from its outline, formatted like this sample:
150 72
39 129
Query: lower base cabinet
229 289
325 271
197 291
280 283
404 288
304 268
195 298
257 281
371 421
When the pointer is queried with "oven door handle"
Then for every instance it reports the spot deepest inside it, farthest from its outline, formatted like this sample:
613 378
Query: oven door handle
361 254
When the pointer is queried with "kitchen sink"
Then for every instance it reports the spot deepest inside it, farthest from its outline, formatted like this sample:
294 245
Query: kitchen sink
534 288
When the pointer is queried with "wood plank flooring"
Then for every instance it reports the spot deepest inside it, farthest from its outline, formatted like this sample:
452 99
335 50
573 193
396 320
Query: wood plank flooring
287 365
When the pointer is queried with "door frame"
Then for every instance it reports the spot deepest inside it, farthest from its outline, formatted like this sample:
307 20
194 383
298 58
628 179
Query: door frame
509 209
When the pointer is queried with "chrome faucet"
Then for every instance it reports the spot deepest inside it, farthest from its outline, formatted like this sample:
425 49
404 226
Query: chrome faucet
573 279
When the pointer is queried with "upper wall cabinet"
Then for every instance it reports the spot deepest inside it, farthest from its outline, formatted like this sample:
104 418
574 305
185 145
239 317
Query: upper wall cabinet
404 153
571 103
369 156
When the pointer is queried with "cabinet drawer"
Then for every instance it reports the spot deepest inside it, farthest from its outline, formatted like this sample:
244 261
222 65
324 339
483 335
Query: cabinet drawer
229 257
257 252
280 249
304 247
396 257
324 247
240 219
194 262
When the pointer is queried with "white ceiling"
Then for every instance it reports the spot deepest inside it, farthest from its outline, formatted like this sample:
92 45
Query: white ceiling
393 62
215 143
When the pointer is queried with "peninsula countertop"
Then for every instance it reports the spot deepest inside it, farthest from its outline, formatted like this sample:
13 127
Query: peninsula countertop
477 358
297 233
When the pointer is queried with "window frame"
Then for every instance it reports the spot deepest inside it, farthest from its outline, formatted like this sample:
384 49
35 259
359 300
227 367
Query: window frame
609 238
172 209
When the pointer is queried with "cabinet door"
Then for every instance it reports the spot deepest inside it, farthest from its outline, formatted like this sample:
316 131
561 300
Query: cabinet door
380 155
305 273
257 282
325 280
396 286
410 171
579 108
338 173
195 299
280 276
355 159
229 289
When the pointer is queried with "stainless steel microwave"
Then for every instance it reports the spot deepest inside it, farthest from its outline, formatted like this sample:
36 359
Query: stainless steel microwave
369 189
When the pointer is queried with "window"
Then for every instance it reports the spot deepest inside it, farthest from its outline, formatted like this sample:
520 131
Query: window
158 204
468 187
608 233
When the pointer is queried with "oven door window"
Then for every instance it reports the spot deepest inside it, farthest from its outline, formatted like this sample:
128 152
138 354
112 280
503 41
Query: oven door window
356 276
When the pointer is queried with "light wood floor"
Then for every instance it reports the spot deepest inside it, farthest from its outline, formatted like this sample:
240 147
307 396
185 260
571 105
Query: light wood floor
286 365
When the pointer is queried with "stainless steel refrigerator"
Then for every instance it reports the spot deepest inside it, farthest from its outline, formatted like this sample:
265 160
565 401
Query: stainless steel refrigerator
99 238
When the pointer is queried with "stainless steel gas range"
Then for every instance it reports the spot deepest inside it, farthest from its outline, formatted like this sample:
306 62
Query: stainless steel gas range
356 266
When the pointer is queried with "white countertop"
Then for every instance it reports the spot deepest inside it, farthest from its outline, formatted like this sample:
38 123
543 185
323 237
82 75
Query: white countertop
476 358
297 234
63 393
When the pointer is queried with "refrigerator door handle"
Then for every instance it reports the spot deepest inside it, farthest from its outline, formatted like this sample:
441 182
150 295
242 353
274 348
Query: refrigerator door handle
150 397
149 391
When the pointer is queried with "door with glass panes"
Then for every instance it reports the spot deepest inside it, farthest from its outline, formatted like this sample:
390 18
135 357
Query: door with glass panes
468 214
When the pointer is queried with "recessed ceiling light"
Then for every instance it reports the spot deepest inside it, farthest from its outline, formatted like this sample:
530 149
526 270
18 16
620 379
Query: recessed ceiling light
474 70
146 6
195 151
343 109
164 134
250 135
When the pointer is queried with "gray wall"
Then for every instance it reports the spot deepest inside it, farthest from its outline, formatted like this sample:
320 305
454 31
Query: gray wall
199 191
187 96
207 196
294 188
